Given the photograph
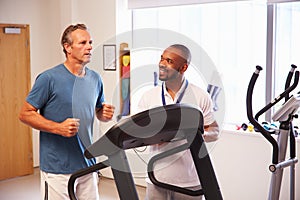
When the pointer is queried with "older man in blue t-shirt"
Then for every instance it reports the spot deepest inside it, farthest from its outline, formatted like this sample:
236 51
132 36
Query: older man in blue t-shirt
67 96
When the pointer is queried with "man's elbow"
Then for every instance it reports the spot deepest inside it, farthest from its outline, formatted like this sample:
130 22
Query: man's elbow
22 117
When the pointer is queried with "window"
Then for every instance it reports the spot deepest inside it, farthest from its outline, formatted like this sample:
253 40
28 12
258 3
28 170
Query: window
232 34
287 42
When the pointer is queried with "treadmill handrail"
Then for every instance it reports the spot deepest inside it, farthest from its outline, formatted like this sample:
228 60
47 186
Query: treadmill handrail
175 188
83 172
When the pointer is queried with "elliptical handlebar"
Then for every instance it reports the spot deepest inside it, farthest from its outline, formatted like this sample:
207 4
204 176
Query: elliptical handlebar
253 121
289 78
285 94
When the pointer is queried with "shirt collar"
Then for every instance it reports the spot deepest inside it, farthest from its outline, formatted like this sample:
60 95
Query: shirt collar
182 88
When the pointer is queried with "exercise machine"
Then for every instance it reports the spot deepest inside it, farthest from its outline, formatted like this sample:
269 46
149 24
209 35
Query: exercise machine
161 124
285 115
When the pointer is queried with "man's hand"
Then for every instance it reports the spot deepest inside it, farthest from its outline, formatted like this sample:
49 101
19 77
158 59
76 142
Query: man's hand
211 132
106 112
69 127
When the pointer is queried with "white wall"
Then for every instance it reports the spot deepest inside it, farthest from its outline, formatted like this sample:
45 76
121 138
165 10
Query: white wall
241 161
47 20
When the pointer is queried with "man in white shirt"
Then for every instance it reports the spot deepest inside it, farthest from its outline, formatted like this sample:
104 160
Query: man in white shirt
179 168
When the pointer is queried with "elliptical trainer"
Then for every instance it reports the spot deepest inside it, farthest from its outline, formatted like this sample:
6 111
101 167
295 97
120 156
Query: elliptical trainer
284 116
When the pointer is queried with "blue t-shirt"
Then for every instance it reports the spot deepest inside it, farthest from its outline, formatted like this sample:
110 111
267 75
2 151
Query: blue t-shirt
59 95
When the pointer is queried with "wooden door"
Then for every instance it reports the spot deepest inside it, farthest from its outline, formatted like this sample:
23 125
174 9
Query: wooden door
15 138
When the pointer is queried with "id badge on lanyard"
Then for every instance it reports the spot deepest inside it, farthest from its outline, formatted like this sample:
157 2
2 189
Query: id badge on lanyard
179 98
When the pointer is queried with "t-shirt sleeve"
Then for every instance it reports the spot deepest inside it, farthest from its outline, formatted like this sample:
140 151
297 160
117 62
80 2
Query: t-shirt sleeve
207 109
100 98
39 94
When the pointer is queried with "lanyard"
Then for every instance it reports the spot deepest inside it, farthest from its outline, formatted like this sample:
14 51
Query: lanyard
179 98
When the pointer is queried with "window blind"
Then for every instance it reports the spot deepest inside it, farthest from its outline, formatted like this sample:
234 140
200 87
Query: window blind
136 4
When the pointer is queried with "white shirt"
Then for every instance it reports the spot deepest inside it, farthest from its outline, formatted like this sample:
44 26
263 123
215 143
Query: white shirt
179 168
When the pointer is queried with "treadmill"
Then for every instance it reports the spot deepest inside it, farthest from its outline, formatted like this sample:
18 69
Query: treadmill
160 124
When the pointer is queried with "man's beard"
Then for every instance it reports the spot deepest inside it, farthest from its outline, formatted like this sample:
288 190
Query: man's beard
167 76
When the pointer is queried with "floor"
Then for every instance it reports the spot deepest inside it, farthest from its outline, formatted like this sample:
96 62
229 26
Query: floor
27 188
